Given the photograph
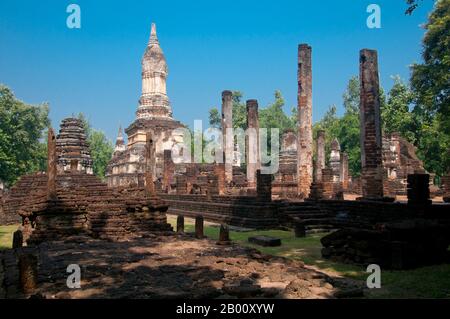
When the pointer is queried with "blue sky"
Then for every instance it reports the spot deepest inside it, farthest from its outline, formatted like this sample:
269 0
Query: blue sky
210 46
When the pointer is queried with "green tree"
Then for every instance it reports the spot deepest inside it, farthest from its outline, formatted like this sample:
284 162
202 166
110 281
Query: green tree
239 113
273 116
351 96
215 118
430 83
22 135
346 128
431 79
412 5
396 115
100 146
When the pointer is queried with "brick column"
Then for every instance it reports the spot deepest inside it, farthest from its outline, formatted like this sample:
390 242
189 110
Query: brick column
263 186
327 183
370 122
343 172
305 139
219 171
320 162
252 144
149 164
169 168
51 165
227 125
199 227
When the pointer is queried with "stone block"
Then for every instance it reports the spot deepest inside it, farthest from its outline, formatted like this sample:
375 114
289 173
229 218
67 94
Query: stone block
265 241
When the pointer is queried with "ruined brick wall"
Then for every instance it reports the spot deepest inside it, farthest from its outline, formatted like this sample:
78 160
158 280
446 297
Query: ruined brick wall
242 211
6 217
83 205
399 161
367 214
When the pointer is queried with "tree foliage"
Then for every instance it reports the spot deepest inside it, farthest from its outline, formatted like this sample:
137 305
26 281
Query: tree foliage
271 116
100 146
22 137
396 113
412 5
430 83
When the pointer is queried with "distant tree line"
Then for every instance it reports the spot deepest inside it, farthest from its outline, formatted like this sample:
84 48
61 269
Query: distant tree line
418 110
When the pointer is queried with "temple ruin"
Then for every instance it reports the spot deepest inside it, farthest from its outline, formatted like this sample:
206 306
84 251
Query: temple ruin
68 204
154 114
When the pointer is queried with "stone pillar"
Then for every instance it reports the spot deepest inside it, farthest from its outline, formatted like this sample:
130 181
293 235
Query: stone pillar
227 125
51 165
263 186
180 224
343 172
299 228
418 189
169 168
305 139
253 150
445 180
370 123
28 273
220 172
224 235
17 239
199 227
320 162
149 164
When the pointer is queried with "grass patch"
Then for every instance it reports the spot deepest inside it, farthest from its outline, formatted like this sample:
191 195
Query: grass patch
6 236
424 282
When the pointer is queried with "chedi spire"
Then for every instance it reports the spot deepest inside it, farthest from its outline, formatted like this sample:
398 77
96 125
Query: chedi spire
153 37
154 102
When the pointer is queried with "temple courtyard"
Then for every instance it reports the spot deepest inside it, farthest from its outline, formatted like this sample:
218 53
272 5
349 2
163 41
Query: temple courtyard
184 267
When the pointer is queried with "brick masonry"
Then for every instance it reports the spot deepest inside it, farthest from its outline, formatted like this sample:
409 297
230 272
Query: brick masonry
304 104
370 123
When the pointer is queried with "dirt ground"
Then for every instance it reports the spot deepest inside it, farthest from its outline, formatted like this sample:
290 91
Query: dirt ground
176 266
